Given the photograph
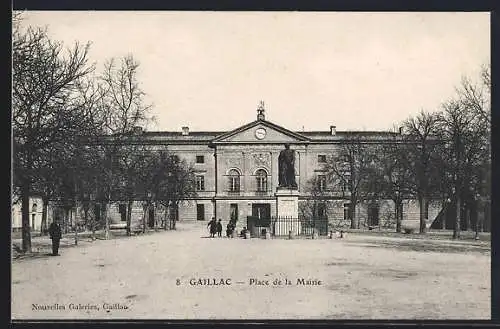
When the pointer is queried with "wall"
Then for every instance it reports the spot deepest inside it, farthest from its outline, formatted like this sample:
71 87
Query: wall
16 215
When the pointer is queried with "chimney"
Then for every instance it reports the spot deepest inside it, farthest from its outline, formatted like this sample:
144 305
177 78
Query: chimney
400 130
333 130
185 131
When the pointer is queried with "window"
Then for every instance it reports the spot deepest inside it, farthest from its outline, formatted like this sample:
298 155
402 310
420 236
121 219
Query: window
346 182
321 210
321 158
234 180
200 159
233 211
347 211
321 182
261 177
200 183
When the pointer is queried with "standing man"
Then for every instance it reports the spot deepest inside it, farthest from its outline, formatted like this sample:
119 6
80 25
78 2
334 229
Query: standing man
219 228
55 235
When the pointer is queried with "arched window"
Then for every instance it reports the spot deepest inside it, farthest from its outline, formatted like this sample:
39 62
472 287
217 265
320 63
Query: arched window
261 177
234 180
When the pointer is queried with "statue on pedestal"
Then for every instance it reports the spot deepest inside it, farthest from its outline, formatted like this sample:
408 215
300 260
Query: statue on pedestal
286 168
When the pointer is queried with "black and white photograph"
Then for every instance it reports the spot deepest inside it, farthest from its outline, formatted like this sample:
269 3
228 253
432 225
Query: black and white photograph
250 165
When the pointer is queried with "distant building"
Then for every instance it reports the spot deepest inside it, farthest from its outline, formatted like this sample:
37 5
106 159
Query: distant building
36 208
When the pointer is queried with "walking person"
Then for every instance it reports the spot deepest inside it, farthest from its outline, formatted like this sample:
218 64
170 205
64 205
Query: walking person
219 228
55 235
213 227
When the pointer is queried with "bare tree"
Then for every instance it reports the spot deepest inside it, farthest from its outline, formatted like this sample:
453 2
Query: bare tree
465 153
44 110
421 143
125 111
392 178
352 167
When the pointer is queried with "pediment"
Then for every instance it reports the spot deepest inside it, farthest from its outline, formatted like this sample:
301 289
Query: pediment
261 131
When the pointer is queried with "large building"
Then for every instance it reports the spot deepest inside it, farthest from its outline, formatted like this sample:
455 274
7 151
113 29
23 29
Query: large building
237 176
237 171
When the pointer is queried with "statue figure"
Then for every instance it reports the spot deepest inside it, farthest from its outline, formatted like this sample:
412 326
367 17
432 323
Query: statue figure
286 168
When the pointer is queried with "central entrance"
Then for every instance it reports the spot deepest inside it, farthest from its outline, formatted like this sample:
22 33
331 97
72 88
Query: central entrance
260 219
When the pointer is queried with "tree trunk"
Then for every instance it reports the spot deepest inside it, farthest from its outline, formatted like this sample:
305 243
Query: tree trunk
155 218
25 216
165 218
479 217
456 228
85 216
144 210
66 220
176 215
106 220
467 218
93 222
423 220
129 217
444 216
76 225
45 209
352 211
398 215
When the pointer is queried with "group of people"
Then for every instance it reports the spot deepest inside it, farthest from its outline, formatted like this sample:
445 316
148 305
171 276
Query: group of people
216 228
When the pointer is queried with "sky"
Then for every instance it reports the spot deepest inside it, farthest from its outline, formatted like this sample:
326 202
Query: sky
358 71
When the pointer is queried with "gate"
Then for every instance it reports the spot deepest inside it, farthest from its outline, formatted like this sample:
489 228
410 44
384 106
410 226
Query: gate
281 226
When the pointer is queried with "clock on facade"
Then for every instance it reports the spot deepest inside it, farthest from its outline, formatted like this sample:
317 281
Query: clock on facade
260 133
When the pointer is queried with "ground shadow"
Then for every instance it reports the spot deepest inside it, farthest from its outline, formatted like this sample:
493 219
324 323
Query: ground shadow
423 246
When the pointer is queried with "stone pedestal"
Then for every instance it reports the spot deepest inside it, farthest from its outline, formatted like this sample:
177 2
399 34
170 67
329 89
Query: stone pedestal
287 211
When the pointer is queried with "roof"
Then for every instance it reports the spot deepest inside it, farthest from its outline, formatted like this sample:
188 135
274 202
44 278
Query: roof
209 137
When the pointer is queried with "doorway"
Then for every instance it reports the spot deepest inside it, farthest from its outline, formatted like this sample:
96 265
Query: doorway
200 212
261 210
151 218
373 214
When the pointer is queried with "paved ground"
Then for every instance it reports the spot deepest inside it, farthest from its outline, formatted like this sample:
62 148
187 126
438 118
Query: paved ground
362 277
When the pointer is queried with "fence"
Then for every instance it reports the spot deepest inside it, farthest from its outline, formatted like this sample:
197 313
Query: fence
282 226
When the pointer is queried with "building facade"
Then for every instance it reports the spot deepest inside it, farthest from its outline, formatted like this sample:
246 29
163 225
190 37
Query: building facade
237 176
237 173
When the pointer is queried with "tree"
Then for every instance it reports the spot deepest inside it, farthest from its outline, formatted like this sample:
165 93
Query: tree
420 136
352 167
43 105
391 180
465 127
179 185
125 113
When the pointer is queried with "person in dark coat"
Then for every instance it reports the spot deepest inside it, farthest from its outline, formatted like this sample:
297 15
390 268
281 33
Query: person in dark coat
243 232
213 227
229 229
55 235
219 228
